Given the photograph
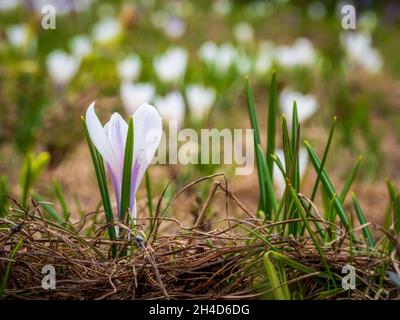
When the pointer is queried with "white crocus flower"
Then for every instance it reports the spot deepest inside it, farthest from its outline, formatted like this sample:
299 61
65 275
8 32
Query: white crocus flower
110 141
301 53
279 180
129 68
264 59
106 30
225 58
174 27
17 35
359 49
200 100
81 46
243 32
62 67
171 66
218 58
135 94
171 107
208 52
306 104
243 63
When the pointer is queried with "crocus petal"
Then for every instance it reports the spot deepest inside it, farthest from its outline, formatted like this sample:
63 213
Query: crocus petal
147 137
99 138
116 130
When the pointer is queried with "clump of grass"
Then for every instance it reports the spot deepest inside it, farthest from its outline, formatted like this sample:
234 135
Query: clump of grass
298 217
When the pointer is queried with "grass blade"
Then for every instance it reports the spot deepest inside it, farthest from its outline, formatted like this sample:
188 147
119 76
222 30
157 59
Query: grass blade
269 189
3 195
327 184
362 220
311 233
149 194
350 180
324 157
6 275
60 197
273 278
272 111
253 120
49 209
102 183
127 172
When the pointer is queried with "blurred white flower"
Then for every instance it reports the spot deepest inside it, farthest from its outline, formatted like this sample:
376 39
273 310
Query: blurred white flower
359 50
218 58
106 30
171 107
170 67
134 95
301 53
243 32
208 52
264 58
62 67
279 180
174 27
81 46
225 58
8 5
222 7
129 68
306 105
18 35
200 100
243 63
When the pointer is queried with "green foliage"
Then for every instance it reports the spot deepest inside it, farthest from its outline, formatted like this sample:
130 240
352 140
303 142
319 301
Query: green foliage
30 171
127 172
102 183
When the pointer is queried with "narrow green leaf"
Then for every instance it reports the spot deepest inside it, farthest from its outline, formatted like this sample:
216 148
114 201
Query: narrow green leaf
6 275
49 209
311 233
396 215
272 111
60 197
102 183
362 220
271 199
253 120
26 179
350 180
273 278
3 195
324 157
327 184
294 264
127 172
149 194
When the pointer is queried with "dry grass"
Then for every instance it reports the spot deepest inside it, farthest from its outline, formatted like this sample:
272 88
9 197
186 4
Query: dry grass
193 263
